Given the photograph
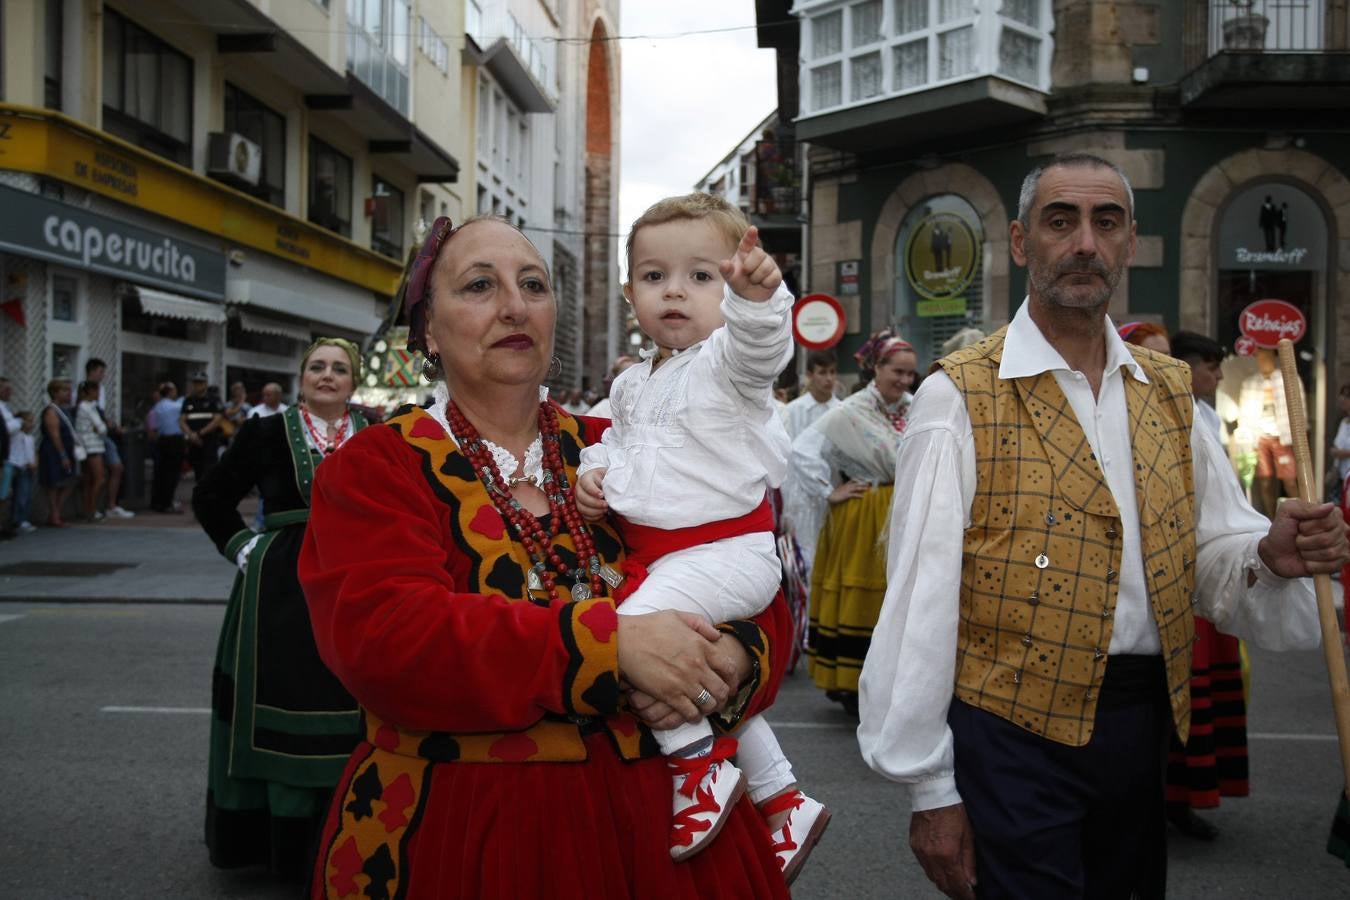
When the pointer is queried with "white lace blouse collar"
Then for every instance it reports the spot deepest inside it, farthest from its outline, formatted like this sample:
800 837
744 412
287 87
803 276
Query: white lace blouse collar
506 461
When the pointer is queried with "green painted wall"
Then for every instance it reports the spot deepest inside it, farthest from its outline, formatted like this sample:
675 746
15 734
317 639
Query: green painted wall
1189 153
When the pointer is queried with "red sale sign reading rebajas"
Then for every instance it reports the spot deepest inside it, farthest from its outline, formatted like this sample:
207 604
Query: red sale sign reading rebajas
1266 322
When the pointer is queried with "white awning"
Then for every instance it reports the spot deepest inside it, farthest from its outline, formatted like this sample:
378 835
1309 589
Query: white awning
264 325
303 306
174 306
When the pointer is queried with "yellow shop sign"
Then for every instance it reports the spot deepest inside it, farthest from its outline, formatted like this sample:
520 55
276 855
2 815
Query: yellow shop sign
45 143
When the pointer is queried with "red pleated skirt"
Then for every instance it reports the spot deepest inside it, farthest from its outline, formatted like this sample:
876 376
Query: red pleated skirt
597 830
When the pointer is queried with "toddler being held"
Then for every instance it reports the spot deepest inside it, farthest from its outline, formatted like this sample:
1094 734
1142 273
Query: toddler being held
694 447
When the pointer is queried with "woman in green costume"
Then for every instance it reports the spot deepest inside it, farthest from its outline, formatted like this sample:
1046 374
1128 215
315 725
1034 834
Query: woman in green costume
282 725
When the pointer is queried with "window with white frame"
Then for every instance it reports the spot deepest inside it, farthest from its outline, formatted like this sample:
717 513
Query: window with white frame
503 151
484 117
426 213
523 158
65 305
66 363
433 46
386 225
861 51
499 108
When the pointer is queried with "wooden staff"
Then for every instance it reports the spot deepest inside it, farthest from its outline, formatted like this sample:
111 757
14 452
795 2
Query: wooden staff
1326 603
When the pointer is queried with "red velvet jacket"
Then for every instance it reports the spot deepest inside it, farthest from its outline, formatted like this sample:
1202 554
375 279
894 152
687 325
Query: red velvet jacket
416 592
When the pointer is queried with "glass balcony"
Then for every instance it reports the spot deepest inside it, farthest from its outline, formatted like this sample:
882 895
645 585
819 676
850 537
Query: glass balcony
524 65
866 51
473 20
490 22
378 34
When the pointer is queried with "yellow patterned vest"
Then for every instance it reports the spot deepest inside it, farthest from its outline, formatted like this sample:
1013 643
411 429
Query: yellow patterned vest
1042 555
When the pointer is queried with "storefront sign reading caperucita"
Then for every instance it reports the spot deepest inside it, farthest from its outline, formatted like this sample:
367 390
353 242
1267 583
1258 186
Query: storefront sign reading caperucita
36 226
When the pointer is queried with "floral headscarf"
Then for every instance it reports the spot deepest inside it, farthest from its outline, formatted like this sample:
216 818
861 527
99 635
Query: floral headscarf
879 346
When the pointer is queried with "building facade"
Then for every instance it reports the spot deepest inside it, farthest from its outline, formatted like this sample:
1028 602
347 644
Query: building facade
923 116
208 186
548 157
760 176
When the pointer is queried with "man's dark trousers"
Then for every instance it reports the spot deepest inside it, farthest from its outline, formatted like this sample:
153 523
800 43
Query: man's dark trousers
1054 822
168 469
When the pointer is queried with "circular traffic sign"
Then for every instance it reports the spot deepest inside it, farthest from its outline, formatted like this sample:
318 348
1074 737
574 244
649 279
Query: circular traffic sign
818 321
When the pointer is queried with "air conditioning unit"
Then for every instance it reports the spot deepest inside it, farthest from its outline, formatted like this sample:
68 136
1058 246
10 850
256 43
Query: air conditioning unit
233 157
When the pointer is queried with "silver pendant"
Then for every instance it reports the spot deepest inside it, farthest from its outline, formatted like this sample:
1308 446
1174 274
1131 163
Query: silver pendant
610 576
533 581
1042 561
581 591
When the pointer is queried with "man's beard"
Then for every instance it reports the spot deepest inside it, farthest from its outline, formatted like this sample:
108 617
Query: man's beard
1049 289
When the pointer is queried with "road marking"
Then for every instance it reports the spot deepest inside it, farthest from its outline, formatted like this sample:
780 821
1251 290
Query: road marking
81 610
1253 735
11 617
806 726
1272 736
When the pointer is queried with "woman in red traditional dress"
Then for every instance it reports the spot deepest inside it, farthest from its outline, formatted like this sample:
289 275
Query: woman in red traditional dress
456 592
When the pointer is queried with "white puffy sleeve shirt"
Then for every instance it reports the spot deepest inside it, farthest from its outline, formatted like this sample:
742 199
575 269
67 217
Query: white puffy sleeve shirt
800 413
906 684
699 439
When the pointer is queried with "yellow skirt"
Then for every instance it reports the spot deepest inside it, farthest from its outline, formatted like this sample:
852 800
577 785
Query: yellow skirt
848 583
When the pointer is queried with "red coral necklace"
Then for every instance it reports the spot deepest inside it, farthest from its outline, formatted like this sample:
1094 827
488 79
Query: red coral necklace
548 564
320 440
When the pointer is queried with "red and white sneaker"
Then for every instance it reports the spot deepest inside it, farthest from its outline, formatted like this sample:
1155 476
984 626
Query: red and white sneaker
706 790
793 843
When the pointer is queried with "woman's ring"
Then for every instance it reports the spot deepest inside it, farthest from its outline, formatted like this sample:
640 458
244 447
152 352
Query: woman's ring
703 698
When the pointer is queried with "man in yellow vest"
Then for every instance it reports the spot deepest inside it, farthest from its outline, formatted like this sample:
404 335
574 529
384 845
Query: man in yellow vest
1058 522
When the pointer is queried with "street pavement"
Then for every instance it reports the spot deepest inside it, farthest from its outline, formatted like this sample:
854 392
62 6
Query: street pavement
155 557
103 724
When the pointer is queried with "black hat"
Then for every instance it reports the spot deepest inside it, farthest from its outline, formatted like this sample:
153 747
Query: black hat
199 376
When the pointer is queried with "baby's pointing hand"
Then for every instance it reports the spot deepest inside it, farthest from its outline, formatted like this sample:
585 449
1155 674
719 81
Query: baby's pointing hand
751 273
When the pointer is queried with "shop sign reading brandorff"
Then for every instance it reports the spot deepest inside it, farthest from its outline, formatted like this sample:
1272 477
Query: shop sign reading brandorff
1272 226
39 227
941 260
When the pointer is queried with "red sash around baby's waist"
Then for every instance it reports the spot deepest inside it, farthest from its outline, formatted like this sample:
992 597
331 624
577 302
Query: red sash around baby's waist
646 544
